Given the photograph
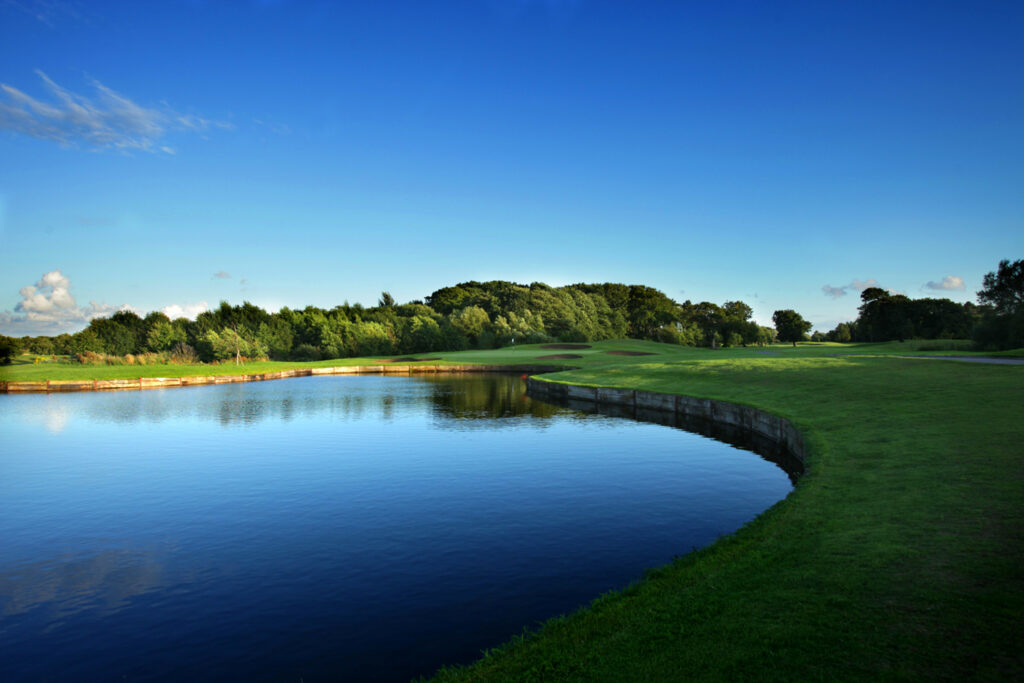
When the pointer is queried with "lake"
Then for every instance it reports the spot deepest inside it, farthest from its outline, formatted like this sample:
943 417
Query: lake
343 528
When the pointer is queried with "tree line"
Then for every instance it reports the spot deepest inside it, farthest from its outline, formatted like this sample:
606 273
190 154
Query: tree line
469 315
996 322
483 315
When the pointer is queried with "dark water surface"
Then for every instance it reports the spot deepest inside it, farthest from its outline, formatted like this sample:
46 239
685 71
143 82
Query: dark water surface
342 528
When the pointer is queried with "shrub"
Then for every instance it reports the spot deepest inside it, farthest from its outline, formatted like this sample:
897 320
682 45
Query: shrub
184 354
306 352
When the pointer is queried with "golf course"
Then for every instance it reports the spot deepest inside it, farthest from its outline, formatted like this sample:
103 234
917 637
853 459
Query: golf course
896 556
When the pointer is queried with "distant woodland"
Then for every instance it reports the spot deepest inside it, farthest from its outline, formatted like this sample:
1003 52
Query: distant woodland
482 315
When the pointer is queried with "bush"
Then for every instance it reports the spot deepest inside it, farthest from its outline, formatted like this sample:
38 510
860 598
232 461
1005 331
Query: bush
184 354
9 347
306 352
997 332
668 335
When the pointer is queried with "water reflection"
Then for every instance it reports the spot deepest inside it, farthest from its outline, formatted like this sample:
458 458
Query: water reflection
458 402
357 528
484 402
102 581
488 398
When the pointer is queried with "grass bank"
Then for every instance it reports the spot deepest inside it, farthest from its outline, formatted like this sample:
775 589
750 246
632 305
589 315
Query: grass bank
898 555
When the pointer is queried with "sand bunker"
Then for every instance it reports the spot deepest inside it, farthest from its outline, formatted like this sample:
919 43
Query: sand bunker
631 353
560 356
565 346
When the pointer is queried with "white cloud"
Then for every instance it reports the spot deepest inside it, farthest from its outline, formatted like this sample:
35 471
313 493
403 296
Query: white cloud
834 292
948 283
189 311
48 307
222 275
107 121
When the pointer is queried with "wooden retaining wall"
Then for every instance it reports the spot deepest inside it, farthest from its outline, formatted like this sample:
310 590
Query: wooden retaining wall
51 386
746 420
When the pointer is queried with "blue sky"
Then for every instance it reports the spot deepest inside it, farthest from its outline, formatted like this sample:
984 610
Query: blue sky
176 154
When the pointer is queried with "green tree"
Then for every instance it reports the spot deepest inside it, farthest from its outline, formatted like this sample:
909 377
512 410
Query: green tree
278 336
9 348
1004 288
373 339
766 335
122 333
228 342
884 316
709 317
840 334
163 335
86 340
471 321
42 346
1002 324
736 325
420 333
790 325
649 309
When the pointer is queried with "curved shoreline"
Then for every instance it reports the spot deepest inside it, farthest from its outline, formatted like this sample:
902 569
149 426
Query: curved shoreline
747 420
137 383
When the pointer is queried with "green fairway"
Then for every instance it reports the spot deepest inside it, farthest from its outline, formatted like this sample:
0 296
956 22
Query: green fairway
897 556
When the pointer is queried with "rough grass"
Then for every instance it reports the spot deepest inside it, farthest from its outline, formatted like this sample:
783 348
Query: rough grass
898 555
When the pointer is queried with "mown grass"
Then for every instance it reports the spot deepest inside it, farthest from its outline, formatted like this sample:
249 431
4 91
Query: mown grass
897 556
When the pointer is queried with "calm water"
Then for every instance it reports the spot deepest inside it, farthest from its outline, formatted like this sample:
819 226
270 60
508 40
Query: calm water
354 528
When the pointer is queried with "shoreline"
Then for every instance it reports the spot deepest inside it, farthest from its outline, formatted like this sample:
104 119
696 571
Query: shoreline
139 383
749 421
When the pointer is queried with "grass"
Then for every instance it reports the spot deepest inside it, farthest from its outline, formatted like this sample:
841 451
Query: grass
25 369
897 556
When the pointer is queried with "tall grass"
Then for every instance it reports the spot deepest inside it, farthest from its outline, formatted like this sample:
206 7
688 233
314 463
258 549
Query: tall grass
181 354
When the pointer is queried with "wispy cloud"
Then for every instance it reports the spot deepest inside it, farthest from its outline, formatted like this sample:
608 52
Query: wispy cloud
45 11
857 285
221 275
273 126
108 120
861 285
834 292
950 283
48 307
